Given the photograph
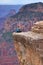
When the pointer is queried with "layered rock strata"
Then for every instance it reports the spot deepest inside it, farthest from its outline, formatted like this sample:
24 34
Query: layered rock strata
28 45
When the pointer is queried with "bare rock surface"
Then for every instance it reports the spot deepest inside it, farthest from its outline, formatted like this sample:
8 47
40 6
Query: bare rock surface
29 45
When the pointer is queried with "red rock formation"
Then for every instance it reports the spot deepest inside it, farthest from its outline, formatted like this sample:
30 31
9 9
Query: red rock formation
27 15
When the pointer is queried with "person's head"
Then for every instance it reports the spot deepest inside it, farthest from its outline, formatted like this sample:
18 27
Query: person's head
19 25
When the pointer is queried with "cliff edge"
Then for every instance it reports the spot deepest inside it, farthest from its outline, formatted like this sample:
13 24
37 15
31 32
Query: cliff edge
28 45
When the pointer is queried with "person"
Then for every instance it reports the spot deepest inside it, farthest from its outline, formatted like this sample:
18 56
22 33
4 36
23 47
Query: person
18 29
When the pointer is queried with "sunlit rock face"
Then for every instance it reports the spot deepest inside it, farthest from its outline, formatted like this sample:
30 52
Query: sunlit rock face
38 27
29 45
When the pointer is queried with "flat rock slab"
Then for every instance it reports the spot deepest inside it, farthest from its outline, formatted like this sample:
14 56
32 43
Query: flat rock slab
32 35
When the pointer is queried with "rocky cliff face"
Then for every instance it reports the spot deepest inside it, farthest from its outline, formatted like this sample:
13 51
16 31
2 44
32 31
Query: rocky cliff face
11 13
29 45
3 24
32 7
27 16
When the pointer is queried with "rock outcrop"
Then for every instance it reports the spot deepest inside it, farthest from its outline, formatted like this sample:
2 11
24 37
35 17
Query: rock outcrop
28 45
38 27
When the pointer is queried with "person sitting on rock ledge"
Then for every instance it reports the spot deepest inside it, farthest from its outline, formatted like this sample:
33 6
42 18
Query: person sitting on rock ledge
18 29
